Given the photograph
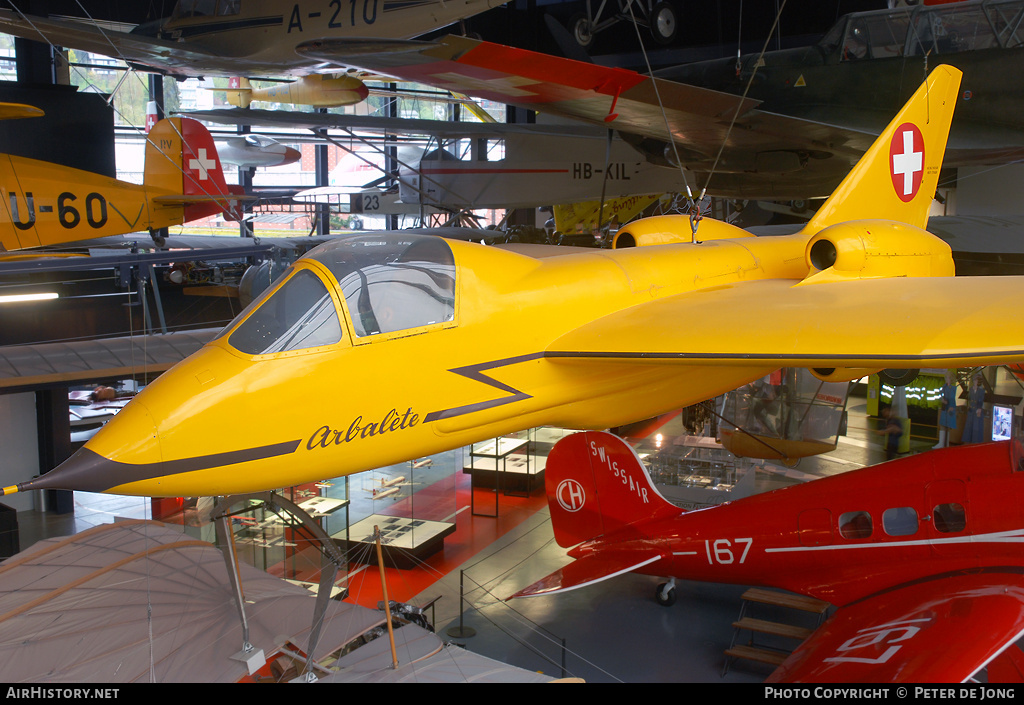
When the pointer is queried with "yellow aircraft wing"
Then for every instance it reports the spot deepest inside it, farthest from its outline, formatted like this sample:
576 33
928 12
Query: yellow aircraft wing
10 111
865 323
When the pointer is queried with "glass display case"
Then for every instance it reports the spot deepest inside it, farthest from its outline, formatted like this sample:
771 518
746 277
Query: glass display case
411 504
510 464
271 537
694 471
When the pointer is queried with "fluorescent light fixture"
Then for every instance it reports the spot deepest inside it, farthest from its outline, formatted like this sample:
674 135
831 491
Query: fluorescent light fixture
15 298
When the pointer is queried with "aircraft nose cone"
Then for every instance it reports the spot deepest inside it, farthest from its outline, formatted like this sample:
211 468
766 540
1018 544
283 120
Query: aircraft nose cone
90 469
291 155
85 470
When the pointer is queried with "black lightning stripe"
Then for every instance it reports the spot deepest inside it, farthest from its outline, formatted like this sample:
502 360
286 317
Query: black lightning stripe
475 372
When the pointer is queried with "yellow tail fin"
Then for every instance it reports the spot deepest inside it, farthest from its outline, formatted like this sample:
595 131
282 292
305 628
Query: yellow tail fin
164 157
896 178
239 92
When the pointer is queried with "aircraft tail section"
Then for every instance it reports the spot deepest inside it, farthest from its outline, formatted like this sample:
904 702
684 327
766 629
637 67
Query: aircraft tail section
239 92
596 485
897 177
184 175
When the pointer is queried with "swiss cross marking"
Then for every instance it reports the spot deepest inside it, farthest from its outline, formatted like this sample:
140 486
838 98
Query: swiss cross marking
906 161
202 164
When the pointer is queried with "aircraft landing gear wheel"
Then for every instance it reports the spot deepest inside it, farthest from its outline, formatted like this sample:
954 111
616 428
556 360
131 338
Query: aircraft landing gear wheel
159 237
582 30
665 594
664 26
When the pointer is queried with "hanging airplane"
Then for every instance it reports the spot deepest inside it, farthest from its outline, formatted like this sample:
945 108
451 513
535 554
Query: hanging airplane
253 151
792 122
517 171
916 553
51 204
378 348
247 151
248 37
318 90
469 165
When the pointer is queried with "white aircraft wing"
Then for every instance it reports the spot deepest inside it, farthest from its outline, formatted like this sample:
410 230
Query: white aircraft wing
813 156
84 36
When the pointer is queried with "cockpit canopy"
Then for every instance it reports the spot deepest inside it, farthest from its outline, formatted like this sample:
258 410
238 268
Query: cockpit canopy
388 282
927 30
206 8
392 282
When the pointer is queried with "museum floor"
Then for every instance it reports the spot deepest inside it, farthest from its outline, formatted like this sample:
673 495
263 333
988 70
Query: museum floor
611 632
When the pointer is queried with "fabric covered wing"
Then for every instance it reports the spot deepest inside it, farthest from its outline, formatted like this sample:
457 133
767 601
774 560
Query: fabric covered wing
697 118
944 630
87 37
866 323
386 125
590 569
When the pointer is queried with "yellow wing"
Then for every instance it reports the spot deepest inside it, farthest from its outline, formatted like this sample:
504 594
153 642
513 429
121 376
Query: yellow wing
11 111
865 323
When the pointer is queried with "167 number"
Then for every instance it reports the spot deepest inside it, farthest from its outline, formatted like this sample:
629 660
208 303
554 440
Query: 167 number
720 551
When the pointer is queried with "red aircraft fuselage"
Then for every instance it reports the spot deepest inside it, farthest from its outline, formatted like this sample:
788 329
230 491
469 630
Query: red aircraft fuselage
844 537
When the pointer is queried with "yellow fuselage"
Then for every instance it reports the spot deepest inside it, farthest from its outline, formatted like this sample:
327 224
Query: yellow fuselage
382 348
46 204
491 370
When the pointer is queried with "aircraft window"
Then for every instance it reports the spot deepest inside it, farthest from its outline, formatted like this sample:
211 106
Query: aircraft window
439 155
876 36
949 518
298 315
491 150
229 7
1005 18
943 32
392 282
899 521
855 525
195 8
831 41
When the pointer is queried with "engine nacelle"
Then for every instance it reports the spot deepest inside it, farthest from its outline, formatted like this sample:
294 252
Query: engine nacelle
841 374
868 249
668 229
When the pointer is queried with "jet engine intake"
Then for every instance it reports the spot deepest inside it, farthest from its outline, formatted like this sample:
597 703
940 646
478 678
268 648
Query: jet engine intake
868 249
668 229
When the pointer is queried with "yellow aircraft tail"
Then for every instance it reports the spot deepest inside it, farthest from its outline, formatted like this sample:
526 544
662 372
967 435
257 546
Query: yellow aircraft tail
50 204
896 178
239 92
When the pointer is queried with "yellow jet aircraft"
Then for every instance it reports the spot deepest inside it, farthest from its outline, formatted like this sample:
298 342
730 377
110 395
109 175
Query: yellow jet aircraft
48 204
375 349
